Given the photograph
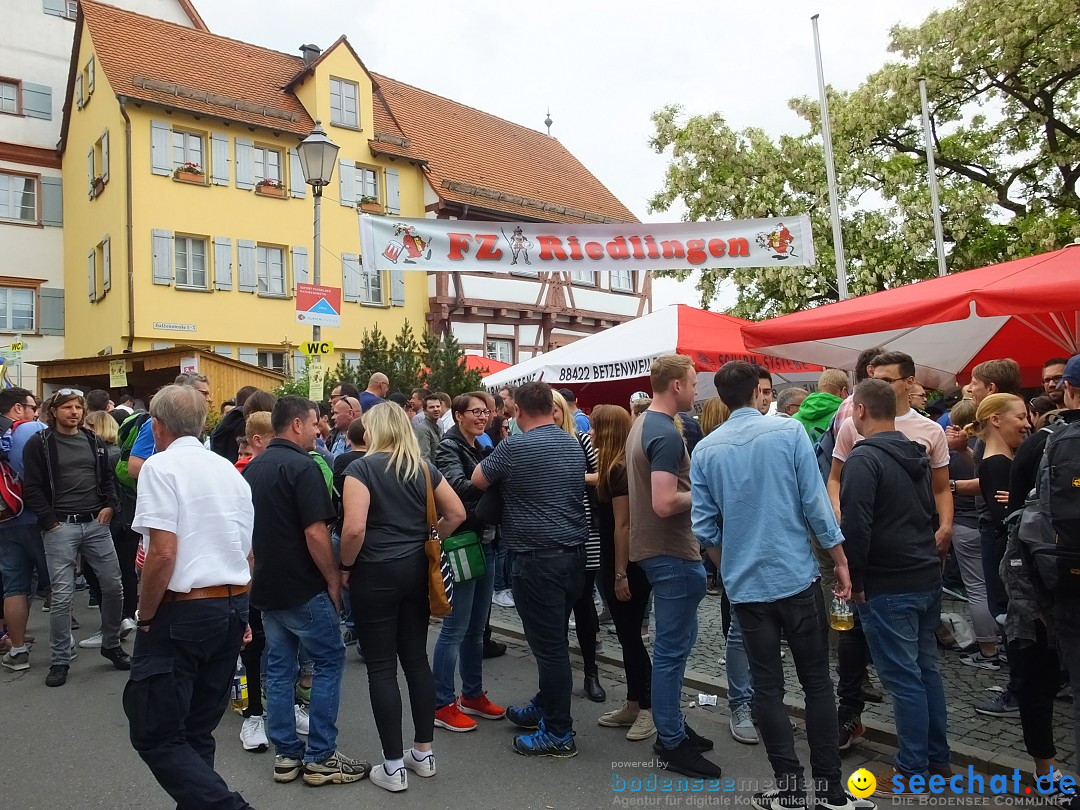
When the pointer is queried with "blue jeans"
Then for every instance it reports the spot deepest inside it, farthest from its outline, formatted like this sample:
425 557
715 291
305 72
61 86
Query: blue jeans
462 637
740 685
181 673
21 552
315 624
546 585
678 588
900 631
502 572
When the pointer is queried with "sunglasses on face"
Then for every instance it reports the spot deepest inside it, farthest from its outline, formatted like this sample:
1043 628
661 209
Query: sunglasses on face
32 406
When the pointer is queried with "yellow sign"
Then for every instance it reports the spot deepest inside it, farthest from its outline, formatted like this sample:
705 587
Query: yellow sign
16 346
862 783
311 347
316 378
117 374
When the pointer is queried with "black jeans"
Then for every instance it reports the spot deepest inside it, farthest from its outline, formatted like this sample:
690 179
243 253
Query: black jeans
852 657
390 605
1035 671
252 656
802 620
1067 629
992 543
546 585
181 674
588 623
628 617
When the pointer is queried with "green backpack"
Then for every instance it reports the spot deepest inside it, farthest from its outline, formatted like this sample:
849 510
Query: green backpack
324 468
125 440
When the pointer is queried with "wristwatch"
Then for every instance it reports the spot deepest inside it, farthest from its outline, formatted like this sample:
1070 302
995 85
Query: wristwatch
620 575
141 622
952 485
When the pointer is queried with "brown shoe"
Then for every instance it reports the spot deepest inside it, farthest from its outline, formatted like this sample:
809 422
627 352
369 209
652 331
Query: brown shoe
890 782
942 770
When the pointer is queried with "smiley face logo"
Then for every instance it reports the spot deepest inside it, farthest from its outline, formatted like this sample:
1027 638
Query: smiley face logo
862 783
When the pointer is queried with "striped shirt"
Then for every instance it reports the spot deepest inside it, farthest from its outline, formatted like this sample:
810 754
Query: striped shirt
592 542
541 474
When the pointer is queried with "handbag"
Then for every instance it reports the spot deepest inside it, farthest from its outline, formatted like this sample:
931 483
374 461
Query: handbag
466 555
440 574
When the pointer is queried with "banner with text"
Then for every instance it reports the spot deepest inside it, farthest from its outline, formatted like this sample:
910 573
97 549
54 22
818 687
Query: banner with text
435 245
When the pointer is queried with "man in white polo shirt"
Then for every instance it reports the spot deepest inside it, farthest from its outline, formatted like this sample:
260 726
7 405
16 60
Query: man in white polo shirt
195 516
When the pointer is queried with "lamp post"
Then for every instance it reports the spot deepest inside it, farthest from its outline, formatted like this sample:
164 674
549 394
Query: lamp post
317 157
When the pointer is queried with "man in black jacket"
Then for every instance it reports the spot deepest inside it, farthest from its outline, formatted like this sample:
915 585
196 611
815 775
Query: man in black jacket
69 485
887 505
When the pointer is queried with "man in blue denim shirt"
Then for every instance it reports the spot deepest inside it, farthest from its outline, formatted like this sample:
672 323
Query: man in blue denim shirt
758 476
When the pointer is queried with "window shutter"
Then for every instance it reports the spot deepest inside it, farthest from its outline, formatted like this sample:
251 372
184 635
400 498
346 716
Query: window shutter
78 91
90 174
91 274
90 77
37 101
106 265
249 354
245 164
219 160
224 351
297 186
51 320
350 271
223 263
347 183
160 147
163 257
397 286
52 201
58 8
393 192
246 266
299 266
299 364
105 155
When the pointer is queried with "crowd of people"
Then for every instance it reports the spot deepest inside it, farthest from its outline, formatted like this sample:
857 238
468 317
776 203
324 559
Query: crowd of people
297 529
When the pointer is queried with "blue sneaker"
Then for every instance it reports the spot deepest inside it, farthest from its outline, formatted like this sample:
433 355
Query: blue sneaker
542 743
527 716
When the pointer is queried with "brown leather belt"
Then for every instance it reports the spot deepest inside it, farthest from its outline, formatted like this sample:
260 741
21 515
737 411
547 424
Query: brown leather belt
212 592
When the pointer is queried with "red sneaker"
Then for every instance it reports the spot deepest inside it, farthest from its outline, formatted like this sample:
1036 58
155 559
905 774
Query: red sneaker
451 718
481 707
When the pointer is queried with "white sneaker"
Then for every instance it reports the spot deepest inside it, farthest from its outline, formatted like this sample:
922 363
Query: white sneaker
127 627
394 782
303 721
571 625
253 733
504 598
421 767
75 647
91 642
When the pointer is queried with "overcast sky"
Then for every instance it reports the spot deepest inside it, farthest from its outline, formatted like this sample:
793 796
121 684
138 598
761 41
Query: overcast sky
603 67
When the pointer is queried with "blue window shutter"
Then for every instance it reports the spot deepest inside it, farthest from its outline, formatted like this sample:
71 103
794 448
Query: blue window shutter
224 351
297 186
223 263
163 257
246 266
350 271
347 183
91 274
160 148
58 8
249 354
78 91
106 266
299 266
397 286
393 192
90 77
90 174
219 160
37 101
51 320
105 156
52 201
245 164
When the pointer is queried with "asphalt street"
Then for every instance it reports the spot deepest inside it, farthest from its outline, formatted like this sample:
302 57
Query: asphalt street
68 747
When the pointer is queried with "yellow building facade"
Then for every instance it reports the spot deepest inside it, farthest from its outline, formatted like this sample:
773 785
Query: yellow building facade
187 218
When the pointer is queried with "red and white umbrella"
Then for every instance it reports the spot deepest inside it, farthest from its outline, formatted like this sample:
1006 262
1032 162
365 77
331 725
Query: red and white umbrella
1027 309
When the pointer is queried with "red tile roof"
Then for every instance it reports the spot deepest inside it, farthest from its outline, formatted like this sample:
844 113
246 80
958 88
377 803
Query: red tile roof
471 158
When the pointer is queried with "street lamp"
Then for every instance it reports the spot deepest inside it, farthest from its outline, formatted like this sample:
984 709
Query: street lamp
317 157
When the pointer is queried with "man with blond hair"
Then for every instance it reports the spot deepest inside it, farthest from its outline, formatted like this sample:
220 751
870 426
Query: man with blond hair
817 411
663 544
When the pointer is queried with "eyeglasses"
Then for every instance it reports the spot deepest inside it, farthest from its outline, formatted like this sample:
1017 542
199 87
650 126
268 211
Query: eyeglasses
1055 379
64 392
478 411
920 396
31 405
890 380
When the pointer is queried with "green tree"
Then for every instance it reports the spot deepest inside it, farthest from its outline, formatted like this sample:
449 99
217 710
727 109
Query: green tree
405 362
444 366
1004 86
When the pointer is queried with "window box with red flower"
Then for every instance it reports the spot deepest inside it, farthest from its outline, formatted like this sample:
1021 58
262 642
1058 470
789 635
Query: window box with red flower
269 187
190 173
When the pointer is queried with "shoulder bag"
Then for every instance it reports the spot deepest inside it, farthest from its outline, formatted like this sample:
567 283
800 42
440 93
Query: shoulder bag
440 575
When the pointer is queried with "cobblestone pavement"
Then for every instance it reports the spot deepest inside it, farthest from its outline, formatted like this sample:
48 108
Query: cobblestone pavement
992 738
